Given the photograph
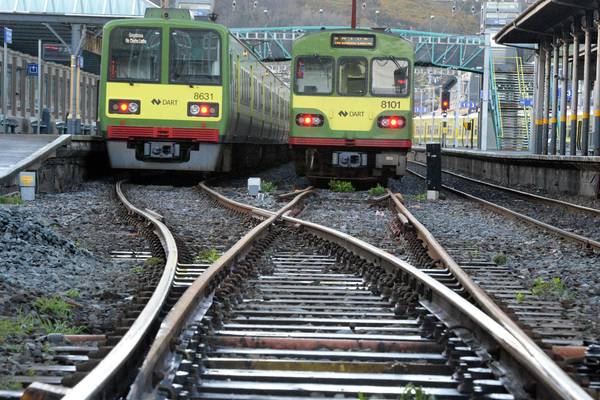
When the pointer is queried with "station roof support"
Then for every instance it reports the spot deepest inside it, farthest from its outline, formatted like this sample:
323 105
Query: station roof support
563 24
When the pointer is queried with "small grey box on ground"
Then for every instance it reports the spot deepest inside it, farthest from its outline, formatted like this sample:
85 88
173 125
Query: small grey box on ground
27 185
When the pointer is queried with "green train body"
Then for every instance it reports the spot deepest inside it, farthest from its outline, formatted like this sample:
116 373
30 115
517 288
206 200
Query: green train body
180 94
352 104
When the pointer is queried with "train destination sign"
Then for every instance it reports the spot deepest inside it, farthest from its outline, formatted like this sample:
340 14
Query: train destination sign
353 40
135 38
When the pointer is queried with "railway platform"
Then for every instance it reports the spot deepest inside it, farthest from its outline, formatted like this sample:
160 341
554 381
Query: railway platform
576 175
60 160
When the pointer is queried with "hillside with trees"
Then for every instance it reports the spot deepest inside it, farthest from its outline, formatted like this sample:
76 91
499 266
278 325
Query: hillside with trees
407 14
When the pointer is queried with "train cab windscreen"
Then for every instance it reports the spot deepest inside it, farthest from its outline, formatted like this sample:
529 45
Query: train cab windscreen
314 75
353 77
135 54
195 57
390 77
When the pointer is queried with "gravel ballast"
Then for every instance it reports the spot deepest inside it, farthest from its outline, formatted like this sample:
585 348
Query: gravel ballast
531 252
201 225
583 223
60 245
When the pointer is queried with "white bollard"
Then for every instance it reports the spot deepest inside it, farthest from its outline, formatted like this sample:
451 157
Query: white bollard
253 186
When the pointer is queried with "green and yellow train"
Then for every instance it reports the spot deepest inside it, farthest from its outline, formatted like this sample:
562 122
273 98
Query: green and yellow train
181 94
352 104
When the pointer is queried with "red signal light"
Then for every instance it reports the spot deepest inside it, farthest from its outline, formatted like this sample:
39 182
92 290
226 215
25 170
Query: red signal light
203 109
309 120
391 122
123 107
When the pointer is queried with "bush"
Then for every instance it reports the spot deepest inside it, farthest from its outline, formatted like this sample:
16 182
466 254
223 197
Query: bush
341 186
15 199
267 187
377 190
54 306
500 259
207 256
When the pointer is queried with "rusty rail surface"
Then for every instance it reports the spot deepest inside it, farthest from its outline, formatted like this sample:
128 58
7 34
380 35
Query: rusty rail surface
175 319
513 214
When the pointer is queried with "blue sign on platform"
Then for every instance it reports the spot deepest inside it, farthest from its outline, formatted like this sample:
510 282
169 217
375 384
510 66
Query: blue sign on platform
527 102
7 35
32 69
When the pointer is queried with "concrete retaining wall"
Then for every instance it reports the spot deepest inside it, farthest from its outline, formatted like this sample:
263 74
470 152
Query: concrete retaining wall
574 175
82 159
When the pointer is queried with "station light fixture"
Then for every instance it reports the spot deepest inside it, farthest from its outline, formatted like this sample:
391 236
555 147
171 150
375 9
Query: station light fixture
203 109
391 122
310 120
122 106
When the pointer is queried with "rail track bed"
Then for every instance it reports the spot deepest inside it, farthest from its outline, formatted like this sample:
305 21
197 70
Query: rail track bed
53 316
546 308
305 325
571 220
297 310
203 229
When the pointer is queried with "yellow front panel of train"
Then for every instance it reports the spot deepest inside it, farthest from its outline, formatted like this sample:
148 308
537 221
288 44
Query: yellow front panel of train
351 113
167 102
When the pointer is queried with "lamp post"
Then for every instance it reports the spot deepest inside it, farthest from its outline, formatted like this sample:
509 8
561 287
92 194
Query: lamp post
376 17
320 17
431 18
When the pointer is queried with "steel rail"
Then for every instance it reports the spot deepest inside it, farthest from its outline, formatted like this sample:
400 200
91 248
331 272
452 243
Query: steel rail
508 212
573 206
173 322
553 377
536 362
97 380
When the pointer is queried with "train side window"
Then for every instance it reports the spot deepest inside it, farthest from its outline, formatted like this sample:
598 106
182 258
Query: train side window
135 54
313 75
353 76
391 77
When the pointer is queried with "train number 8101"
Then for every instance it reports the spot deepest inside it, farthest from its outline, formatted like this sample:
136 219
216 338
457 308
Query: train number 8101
396 104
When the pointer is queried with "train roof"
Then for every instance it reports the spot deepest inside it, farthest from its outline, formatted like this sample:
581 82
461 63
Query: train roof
169 17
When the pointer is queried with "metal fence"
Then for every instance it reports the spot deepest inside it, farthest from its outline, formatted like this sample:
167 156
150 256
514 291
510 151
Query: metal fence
22 93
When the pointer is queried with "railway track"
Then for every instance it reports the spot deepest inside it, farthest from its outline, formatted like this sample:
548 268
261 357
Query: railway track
310 312
298 310
571 221
549 322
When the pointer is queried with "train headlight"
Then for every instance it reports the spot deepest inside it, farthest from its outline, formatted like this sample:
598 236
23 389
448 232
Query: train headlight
391 122
203 109
310 120
133 107
121 106
194 109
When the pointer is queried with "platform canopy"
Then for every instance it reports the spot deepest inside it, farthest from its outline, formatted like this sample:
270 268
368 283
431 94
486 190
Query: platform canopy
90 8
48 20
544 19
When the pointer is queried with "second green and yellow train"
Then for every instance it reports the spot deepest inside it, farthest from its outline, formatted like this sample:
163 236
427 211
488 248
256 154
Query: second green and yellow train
352 104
